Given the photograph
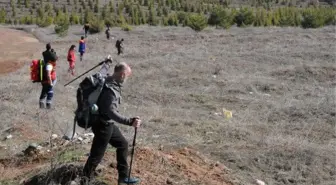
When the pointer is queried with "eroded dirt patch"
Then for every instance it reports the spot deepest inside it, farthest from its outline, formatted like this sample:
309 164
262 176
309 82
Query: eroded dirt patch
173 166
16 47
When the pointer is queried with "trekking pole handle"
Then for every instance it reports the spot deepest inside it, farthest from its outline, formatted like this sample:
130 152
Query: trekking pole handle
100 63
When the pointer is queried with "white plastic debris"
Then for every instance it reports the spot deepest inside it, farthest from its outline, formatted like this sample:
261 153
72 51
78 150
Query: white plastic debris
9 136
214 76
259 182
89 134
80 138
54 136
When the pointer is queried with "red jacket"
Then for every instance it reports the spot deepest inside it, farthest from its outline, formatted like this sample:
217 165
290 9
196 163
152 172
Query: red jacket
71 56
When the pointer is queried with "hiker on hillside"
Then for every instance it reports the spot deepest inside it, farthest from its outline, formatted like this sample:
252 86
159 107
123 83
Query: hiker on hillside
71 59
86 29
49 76
107 32
119 46
106 130
81 48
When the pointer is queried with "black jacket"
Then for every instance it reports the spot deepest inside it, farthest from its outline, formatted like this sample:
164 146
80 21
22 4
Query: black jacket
48 55
108 103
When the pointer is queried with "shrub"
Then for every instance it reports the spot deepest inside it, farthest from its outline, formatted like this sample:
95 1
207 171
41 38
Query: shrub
197 22
45 22
2 15
96 25
226 18
62 28
214 18
244 17
172 20
311 18
74 19
126 27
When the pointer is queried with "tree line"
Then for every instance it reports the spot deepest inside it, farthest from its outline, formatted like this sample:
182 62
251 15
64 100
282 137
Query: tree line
197 15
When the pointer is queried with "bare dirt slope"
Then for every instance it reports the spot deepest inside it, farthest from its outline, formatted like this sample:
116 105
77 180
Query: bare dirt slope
16 47
278 82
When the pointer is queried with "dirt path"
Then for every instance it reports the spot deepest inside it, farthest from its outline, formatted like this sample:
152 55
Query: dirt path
16 47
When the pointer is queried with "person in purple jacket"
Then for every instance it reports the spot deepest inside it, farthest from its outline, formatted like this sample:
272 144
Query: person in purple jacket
82 47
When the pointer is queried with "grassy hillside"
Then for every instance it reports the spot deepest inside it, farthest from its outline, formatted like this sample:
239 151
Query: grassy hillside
222 13
279 84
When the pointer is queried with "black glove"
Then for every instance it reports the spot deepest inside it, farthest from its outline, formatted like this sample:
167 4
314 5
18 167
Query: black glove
132 120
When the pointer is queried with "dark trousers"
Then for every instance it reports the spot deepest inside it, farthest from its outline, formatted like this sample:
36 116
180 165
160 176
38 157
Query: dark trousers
105 134
119 50
81 55
47 92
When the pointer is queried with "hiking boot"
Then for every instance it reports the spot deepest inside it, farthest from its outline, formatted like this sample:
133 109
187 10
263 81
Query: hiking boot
84 181
48 105
125 181
42 106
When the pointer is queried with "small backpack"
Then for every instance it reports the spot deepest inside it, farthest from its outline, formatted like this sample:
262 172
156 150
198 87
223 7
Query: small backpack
88 93
36 70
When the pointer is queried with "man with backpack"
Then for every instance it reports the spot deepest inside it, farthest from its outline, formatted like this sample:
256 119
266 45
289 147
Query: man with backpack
119 46
49 76
105 129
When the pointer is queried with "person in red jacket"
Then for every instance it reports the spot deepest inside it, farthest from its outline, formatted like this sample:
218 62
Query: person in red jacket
72 59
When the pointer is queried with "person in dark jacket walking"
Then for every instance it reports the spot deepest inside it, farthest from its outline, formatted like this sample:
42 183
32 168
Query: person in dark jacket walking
119 46
106 131
107 32
86 28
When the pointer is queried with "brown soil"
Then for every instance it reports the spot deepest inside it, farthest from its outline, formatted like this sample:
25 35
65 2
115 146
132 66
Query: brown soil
174 166
16 47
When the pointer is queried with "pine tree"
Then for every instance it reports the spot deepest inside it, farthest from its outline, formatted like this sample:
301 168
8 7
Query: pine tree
96 7
2 15
26 2
152 18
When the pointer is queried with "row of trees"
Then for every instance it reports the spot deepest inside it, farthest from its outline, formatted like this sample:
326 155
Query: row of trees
219 17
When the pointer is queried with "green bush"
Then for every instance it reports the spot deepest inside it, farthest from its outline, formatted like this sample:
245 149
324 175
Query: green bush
197 22
126 27
244 17
260 17
96 25
172 20
2 15
288 16
329 15
62 28
74 19
45 22
226 18
312 18
214 18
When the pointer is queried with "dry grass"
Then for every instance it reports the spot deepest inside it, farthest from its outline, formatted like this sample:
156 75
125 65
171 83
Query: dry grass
279 83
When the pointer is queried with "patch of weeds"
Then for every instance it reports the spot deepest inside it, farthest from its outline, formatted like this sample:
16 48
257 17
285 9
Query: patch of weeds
199 98
156 120
9 182
111 149
71 156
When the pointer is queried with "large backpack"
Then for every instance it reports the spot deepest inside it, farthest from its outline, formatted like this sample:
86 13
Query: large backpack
88 93
36 70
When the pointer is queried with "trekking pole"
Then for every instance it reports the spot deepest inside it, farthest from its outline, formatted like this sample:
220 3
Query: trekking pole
129 173
100 63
